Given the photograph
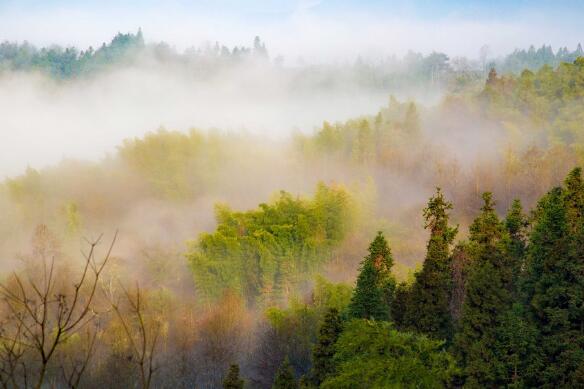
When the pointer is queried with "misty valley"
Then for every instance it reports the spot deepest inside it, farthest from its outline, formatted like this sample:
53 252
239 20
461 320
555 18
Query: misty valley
227 217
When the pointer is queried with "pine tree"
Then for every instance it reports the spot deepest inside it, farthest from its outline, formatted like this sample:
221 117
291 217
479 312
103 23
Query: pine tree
375 284
429 311
324 351
573 195
232 380
553 287
516 226
400 305
285 378
487 300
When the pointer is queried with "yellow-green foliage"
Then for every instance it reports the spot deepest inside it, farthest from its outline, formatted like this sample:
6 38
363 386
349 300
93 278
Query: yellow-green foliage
330 295
267 251
175 164
366 139
26 191
73 219
549 99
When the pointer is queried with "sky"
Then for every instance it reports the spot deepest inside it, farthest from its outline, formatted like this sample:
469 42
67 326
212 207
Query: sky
313 30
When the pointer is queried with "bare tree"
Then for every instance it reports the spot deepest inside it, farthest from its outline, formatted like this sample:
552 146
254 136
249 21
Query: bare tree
73 365
141 330
11 353
43 312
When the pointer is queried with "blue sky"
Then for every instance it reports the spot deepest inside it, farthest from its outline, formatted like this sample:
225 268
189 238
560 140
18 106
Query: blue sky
317 29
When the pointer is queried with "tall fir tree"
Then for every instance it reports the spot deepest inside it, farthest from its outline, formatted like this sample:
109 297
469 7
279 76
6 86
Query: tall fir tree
488 299
428 311
573 195
516 225
232 380
375 287
553 287
400 305
285 378
325 348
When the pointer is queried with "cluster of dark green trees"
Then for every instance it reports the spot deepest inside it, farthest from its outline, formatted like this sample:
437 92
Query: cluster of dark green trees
533 58
412 70
63 63
69 62
505 308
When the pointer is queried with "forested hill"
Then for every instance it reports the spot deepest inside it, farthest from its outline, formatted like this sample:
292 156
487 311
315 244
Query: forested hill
532 58
243 259
435 69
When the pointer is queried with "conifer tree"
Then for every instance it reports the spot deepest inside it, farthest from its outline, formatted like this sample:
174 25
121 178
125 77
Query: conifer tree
573 195
488 299
324 351
428 311
375 284
400 305
232 380
285 378
553 287
516 226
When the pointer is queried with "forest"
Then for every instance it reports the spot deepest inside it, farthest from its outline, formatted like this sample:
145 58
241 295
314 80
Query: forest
431 242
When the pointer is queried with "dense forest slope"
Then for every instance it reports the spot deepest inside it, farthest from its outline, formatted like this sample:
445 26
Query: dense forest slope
236 256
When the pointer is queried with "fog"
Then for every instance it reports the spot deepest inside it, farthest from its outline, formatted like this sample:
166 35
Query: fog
238 176
314 30
44 121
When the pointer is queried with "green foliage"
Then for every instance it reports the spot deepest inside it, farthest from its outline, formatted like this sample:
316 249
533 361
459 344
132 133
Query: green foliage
328 295
375 284
381 139
27 191
63 63
232 380
175 165
516 224
289 332
412 120
325 348
73 219
554 287
295 328
372 354
487 300
549 98
285 378
271 249
428 308
533 59
401 305
517 347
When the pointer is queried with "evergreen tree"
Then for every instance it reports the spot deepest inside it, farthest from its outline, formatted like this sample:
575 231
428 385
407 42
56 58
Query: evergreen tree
429 311
324 351
574 201
516 225
285 378
488 299
375 284
373 354
400 305
553 287
232 381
